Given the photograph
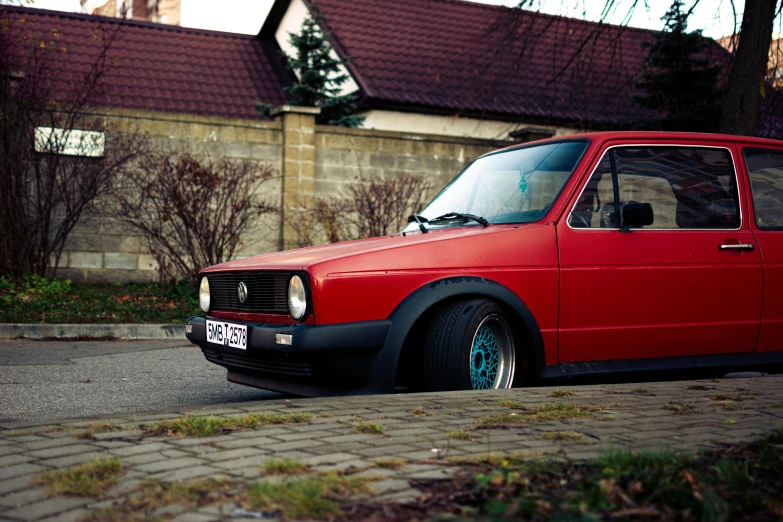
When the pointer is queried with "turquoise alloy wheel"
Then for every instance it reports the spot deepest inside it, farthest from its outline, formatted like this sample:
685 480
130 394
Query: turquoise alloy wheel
492 355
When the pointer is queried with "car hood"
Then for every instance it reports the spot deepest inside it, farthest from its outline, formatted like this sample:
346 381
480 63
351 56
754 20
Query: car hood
414 250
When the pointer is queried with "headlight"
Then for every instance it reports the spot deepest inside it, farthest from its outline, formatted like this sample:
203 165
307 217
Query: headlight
203 294
297 298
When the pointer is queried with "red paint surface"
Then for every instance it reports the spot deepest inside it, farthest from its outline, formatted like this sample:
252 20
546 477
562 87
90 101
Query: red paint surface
595 294
770 243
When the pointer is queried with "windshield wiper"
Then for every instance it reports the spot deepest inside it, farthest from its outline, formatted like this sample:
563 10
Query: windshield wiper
451 216
416 218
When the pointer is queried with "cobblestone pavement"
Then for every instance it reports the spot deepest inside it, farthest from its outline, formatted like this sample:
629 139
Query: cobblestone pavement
682 415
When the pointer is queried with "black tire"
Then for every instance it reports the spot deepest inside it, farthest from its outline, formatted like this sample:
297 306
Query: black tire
449 344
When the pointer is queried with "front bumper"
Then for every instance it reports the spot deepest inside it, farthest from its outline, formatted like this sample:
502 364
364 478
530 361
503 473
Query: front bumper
321 359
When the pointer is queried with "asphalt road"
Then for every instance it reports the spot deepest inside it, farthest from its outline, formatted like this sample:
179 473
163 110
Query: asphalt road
49 380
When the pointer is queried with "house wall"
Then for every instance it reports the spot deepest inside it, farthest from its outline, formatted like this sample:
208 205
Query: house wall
312 161
448 125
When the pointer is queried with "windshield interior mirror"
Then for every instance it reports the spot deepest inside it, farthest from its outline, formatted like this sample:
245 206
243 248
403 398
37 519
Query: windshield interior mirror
637 215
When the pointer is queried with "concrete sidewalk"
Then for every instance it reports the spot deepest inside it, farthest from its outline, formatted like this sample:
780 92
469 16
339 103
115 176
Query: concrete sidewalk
427 431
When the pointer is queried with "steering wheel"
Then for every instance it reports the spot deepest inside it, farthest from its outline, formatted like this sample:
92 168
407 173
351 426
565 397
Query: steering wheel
579 218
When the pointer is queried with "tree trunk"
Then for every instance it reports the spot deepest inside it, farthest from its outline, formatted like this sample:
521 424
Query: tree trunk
741 112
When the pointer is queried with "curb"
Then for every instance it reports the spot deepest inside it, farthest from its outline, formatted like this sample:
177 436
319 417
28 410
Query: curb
119 331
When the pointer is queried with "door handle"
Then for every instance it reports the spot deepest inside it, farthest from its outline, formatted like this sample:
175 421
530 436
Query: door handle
737 246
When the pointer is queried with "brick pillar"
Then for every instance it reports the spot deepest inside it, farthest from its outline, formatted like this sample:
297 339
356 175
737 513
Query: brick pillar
298 166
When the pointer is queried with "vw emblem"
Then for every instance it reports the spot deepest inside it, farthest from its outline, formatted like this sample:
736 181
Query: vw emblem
242 292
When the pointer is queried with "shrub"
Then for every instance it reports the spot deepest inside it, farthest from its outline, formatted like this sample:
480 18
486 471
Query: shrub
192 211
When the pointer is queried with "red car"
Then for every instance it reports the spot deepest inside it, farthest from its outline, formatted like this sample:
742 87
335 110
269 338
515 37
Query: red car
590 254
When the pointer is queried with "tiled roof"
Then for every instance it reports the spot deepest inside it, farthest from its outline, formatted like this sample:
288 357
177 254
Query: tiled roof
159 67
460 57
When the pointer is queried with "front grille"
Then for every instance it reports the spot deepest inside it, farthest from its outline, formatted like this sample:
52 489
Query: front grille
267 292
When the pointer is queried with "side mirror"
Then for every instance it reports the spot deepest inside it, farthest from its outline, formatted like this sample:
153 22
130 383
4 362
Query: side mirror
637 215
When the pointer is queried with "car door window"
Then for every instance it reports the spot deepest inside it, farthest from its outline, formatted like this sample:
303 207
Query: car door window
687 188
765 169
595 207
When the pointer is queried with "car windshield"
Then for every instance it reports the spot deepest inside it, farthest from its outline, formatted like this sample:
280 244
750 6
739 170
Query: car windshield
514 186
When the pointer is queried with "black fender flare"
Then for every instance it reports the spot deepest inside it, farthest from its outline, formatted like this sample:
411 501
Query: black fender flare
424 298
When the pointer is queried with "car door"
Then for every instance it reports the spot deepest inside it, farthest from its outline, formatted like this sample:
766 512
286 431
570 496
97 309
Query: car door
764 166
689 283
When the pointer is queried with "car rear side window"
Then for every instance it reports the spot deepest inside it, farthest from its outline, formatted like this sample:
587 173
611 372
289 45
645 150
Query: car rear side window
687 187
765 168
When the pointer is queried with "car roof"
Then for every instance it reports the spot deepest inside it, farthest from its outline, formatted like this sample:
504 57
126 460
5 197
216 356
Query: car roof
602 137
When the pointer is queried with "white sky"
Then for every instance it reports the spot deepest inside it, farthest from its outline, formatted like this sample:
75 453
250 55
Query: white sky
714 17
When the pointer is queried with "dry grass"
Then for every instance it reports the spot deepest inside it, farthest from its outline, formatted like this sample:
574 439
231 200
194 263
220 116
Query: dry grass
91 479
561 393
421 412
390 463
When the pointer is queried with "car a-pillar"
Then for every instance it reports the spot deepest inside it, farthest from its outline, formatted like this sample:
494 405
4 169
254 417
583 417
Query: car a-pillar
470 313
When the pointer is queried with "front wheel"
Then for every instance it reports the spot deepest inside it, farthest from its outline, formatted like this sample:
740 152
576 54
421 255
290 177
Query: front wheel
469 346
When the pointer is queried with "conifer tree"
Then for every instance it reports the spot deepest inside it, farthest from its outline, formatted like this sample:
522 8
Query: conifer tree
679 80
319 78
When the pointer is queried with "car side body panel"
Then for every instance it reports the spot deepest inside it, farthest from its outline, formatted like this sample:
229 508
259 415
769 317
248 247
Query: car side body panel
657 293
770 243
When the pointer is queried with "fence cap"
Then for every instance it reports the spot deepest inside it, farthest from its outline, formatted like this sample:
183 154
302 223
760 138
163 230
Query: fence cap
294 109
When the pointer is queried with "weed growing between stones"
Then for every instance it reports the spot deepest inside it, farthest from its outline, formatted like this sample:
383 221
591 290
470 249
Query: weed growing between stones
680 408
372 428
419 411
514 405
284 467
545 412
86 480
735 482
152 495
558 393
199 426
315 497
460 435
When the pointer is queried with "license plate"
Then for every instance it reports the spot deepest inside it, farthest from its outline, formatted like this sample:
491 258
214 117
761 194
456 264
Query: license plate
227 334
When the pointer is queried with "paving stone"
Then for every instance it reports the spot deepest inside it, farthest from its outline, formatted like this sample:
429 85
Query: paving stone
246 442
15 484
242 463
147 447
23 497
109 435
19 470
60 451
112 444
46 443
195 517
294 445
169 464
222 456
73 460
186 473
144 458
331 458
75 515
175 453
45 508
12 460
